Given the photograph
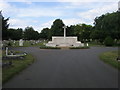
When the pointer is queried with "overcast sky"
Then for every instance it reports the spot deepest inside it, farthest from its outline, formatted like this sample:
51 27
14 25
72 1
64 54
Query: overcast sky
39 14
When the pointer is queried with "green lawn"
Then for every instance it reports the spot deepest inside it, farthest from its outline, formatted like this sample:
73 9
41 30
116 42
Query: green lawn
17 66
110 58
95 44
28 44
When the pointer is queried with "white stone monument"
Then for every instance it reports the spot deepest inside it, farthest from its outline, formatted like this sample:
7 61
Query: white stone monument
64 41
21 42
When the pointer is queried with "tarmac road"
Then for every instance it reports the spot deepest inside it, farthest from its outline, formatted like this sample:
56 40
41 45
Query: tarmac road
66 69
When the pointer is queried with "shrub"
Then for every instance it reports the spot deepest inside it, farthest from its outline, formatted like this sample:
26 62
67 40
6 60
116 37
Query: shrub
85 47
46 47
108 41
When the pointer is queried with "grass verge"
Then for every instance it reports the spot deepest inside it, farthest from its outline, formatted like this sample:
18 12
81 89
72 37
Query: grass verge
110 58
17 66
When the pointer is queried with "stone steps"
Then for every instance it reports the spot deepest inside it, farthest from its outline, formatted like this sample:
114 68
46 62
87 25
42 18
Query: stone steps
64 48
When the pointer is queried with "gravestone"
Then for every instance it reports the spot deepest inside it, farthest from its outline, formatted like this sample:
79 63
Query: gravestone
87 44
21 42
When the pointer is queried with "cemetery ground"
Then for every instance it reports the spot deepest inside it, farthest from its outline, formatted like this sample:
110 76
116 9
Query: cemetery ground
110 58
66 69
27 43
17 65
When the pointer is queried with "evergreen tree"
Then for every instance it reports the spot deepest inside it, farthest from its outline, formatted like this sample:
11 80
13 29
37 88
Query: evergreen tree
4 26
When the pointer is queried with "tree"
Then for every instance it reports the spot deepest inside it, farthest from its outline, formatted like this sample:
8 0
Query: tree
57 28
70 30
30 34
109 41
5 26
46 33
109 24
15 34
82 31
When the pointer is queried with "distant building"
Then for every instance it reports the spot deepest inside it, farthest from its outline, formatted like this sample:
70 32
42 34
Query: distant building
119 6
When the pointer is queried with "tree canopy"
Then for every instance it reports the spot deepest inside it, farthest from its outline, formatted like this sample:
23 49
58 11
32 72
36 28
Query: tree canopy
107 25
30 34
5 26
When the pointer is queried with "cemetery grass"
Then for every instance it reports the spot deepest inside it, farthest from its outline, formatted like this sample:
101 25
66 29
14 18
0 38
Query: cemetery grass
95 44
110 58
98 44
16 67
29 44
46 47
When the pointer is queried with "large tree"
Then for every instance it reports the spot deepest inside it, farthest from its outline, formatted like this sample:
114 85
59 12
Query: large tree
57 28
4 26
30 34
46 33
82 31
15 34
108 24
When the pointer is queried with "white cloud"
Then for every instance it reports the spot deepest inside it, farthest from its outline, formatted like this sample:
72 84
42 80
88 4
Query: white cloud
31 11
87 0
72 21
46 24
91 14
38 12
18 23
61 0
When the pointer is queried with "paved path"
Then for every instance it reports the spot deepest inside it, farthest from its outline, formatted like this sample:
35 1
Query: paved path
66 69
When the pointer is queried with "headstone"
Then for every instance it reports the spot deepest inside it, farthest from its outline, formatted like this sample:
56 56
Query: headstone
20 42
14 42
6 51
87 44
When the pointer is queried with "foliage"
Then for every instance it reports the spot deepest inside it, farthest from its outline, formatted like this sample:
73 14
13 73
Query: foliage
15 34
107 25
30 34
46 47
110 58
82 31
85 47
4 26
108 41
46 33
57 28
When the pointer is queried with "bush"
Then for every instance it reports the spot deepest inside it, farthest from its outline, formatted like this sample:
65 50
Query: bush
108 41
46 47
86 47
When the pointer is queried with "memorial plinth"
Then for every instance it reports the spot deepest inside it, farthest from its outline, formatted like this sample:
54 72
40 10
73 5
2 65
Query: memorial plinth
59 41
